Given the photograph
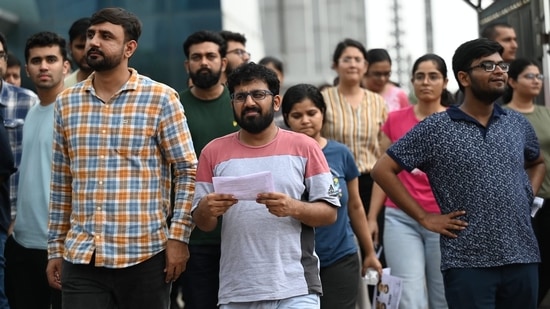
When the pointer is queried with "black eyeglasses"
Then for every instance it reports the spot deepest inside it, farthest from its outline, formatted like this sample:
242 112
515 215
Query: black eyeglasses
533 76
490 66
239 52
3 55
256 95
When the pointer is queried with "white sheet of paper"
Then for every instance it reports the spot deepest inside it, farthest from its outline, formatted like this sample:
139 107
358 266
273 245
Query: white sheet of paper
244 187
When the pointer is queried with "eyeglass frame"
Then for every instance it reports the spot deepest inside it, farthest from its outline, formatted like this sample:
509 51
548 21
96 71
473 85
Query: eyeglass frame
3 55
250 93
483 65
239 52
533 76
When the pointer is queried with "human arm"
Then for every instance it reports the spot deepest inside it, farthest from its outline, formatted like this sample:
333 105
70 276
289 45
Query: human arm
177 148
536 171
376 204
361 227
60 207
7 166
316 213
385 173
210 207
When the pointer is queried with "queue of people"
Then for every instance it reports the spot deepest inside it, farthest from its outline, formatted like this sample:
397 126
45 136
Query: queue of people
115 202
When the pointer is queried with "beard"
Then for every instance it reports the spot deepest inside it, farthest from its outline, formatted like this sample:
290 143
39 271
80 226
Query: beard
205 80
487 96
255 124
102 63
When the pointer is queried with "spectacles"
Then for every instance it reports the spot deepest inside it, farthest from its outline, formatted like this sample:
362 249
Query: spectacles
3 55
256 95
379 75
489 66
352 59
533 76
239 52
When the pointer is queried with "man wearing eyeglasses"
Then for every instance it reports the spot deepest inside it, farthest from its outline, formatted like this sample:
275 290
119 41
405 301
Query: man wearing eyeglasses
209 115
15 102
267 238
236 53
485 166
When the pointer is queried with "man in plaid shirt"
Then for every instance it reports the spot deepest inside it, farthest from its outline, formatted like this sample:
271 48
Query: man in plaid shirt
116 136
15 102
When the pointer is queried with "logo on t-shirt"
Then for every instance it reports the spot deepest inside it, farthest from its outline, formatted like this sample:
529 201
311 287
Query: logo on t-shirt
334 189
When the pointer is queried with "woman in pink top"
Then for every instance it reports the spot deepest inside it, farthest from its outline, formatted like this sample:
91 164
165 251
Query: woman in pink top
377 79
412 252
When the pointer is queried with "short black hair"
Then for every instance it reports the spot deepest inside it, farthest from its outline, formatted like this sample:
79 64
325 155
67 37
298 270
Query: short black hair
378 55
78 29
4 42
277 64
205 36
45 38
13 61
233 36
490 31
469 51
119 16
248 72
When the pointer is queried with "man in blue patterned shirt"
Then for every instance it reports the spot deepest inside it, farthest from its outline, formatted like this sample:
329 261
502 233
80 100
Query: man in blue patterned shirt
485 166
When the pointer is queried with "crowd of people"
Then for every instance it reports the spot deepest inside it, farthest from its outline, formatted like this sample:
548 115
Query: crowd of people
110 181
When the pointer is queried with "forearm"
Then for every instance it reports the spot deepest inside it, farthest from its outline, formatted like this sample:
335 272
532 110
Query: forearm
315 213
536 172
384 174
360 226
377 199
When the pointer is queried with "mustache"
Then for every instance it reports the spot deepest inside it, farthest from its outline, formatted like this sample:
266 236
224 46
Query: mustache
251 109
94 50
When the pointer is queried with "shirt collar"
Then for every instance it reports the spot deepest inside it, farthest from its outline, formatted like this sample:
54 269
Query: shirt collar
455 113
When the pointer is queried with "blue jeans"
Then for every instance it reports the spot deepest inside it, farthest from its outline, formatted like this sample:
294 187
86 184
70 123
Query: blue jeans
3 297
413 254
310 301
503 287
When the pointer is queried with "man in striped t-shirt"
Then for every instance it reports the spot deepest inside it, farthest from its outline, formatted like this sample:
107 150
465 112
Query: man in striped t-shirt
267 241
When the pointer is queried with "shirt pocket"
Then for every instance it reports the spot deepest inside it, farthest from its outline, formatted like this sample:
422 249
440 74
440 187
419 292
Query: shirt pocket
134 136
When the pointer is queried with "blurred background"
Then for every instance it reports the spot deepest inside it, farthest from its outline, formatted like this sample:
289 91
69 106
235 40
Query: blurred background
302 33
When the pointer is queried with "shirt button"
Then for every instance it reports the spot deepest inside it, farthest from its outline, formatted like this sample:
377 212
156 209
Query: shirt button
98 236
99 208
101 182
103 131
102 157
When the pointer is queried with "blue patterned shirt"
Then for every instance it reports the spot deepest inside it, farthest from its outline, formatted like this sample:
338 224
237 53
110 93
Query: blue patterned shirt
16 103
480 170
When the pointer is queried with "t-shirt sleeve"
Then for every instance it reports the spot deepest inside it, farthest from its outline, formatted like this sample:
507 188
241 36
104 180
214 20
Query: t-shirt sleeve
532 147
413 150
318 179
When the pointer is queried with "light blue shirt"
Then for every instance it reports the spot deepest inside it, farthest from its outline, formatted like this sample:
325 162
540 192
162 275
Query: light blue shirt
31 222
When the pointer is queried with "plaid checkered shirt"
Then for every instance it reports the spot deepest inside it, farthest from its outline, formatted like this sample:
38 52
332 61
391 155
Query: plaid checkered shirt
110 185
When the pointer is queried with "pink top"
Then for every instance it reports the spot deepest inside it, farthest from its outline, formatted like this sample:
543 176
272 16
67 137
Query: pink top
396 98
398 124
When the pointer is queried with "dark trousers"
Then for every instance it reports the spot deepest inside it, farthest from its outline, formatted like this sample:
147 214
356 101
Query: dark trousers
541 225
141 286
26 282
339 282
200 281
504 287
